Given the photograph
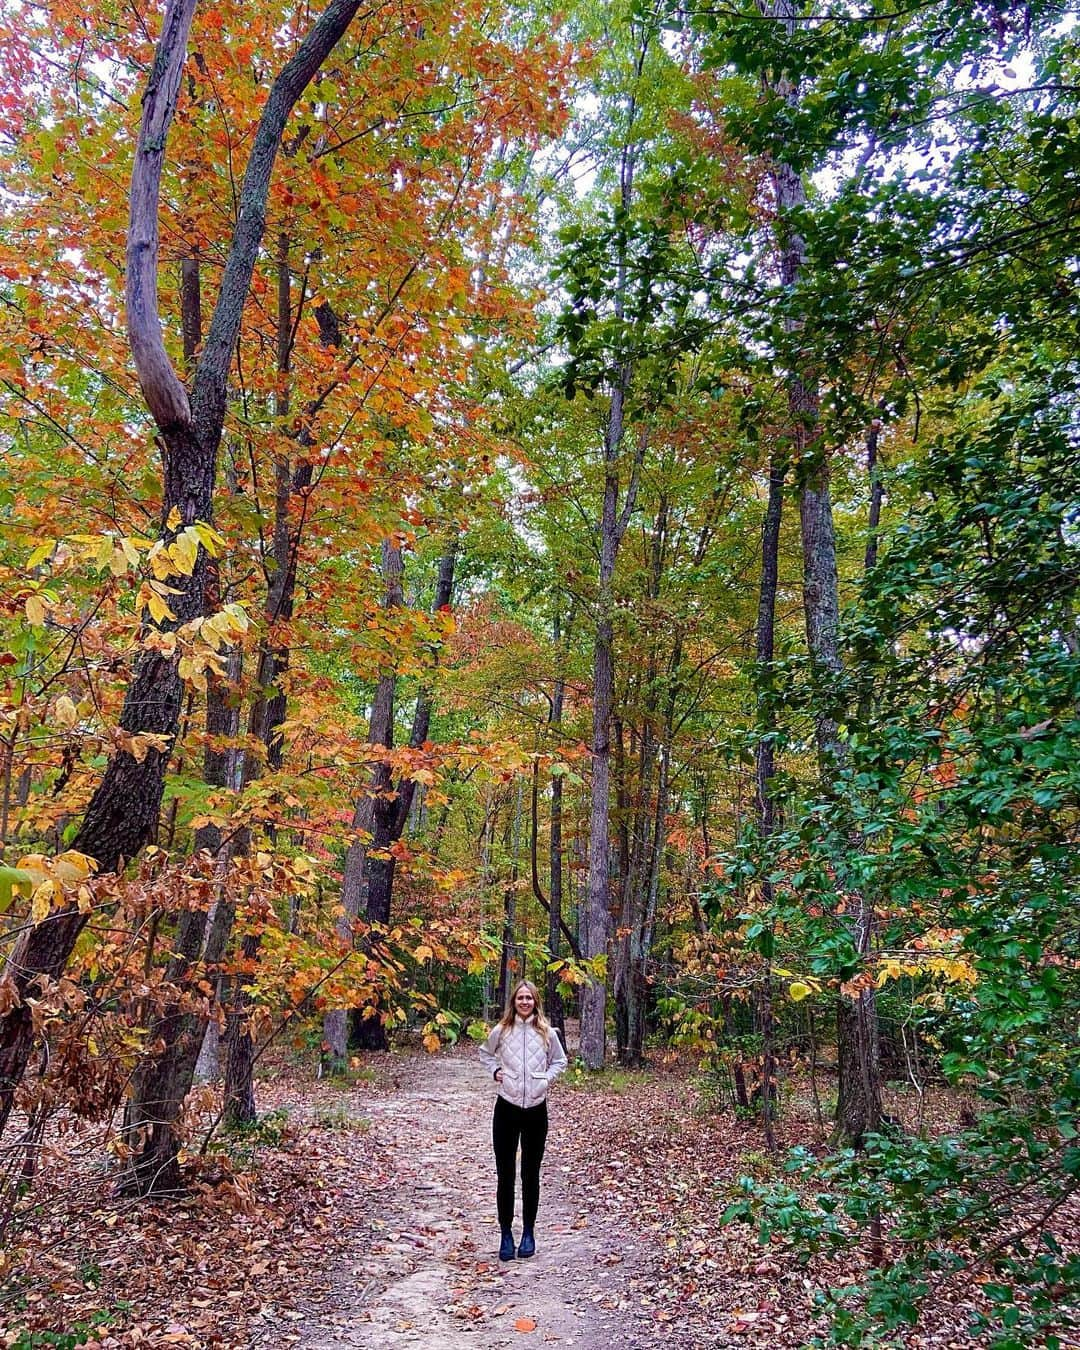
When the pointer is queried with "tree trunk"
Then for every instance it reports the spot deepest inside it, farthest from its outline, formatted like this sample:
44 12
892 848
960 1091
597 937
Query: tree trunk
373 811
270 707
630 986
596 913
371 882
596 918
163 1079
552 997
512 957
765 766
859 1087
239 1094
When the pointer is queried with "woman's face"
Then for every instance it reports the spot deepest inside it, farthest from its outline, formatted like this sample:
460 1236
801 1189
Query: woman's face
524 1003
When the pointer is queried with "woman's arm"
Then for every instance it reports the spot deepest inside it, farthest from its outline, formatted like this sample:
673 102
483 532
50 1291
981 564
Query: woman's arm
556 1056
489 1057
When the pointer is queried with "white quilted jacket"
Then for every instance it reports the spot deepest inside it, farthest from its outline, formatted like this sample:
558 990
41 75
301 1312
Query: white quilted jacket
529 1067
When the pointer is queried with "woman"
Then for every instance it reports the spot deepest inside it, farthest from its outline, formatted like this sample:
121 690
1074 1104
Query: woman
524 1057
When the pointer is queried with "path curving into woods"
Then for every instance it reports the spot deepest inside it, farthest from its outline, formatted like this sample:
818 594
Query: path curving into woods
425 1270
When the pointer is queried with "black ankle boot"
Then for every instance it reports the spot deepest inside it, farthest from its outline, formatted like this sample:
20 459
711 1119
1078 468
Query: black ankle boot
528 1243
506 1246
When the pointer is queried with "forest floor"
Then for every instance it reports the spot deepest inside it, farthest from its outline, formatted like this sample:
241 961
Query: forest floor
363 1215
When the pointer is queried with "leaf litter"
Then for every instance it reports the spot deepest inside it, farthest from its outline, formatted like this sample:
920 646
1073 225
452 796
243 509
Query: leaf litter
366 1218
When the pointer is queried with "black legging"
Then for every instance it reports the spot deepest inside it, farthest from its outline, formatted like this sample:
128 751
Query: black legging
509 1124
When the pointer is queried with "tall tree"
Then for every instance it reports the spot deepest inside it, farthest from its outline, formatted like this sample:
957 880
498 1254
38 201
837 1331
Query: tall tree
123 812
859 1086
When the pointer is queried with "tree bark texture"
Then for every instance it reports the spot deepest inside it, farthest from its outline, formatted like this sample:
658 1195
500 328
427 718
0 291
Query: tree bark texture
163 1078
239 1092
556 1010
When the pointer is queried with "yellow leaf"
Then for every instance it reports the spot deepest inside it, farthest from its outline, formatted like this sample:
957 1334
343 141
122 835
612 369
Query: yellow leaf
118 562
889 970
36 865
165 643
239 616
173 521
131 553
39 555
211 635
35 610
183 552
159 610
798 991
423 953
431 1042
72 866
86 899
138 745
65 714
211 540
41 905
158 558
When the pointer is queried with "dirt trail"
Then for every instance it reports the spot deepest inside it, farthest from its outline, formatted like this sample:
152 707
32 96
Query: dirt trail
426 1270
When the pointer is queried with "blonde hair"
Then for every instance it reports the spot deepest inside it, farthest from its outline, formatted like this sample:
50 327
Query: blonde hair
538 1019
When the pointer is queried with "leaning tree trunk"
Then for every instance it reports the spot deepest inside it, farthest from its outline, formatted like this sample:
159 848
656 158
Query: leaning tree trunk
164 1077
160 1082
859 1086
123 811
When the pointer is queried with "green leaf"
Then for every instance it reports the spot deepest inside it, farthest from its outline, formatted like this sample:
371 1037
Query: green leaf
13 880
